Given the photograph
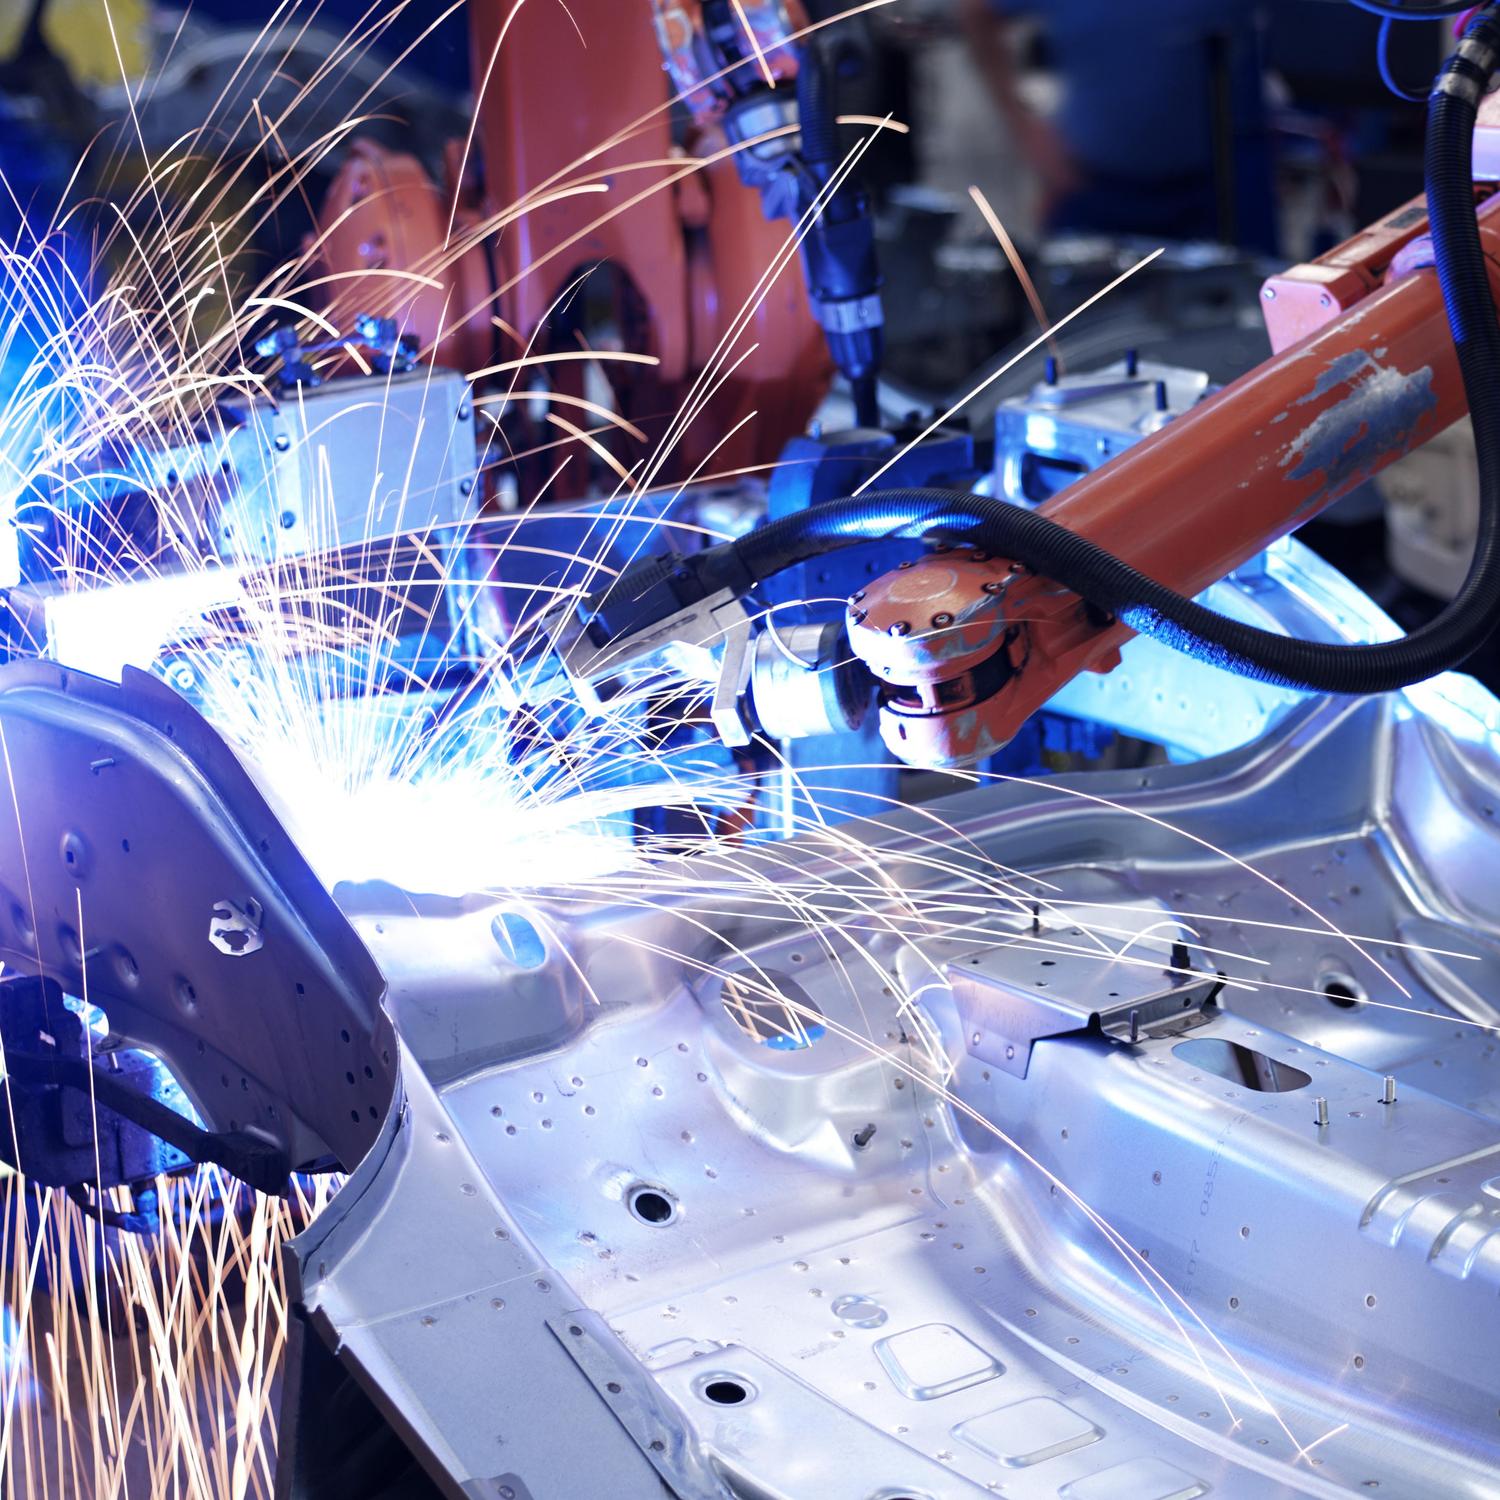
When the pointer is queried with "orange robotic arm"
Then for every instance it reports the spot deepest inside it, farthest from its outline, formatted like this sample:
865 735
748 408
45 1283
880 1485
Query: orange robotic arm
595 224
966 644
1184 506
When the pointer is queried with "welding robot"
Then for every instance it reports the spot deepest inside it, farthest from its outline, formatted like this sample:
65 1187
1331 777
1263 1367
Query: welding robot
509 1302
689 261
965 643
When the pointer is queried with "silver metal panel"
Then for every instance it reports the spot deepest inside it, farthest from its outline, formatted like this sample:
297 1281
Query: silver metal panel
140 867
1255 1282
349 463
449 1309
1194 1286
1077 422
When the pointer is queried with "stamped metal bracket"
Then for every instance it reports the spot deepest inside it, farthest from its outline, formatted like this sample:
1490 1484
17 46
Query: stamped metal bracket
1010 998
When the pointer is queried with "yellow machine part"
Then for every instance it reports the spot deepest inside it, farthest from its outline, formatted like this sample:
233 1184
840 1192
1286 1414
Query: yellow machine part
101 41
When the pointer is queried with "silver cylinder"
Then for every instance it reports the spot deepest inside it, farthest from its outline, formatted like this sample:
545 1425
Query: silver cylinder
806 681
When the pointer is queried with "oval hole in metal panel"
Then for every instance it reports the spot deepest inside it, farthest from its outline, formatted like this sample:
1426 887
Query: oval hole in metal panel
1241 1065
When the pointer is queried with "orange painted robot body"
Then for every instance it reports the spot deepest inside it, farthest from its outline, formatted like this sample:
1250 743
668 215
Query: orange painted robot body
598 224
1185 506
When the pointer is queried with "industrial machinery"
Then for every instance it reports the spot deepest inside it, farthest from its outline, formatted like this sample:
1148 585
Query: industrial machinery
689 271
1126 1135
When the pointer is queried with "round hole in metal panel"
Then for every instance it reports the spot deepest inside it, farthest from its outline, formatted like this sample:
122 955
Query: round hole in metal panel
1341 989
652 1205
724 1390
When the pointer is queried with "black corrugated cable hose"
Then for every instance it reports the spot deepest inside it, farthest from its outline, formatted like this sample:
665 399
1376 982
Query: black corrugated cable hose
1150 608
838 248
816 116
